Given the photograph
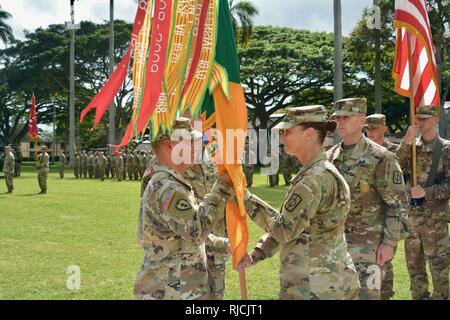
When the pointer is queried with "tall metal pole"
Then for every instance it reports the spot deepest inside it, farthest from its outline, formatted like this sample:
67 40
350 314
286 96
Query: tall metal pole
112 109
53 135
377 78
338 86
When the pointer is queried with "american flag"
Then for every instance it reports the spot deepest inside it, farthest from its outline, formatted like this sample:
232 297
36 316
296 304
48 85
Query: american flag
32 123
411 18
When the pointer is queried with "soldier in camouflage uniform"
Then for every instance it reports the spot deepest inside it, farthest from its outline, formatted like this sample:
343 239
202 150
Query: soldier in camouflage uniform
8 169
142 164
286 165
118 164
107 164
376 129
83 170
309 230
77 165
274 179
42 165
248 167
377 218
130 163
428 240
62 163
102 161
97 164
124 157
136 164
173 227
112 168
90 164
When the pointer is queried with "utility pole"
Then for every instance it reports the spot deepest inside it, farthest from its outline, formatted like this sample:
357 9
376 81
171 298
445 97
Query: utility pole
112 108
71 26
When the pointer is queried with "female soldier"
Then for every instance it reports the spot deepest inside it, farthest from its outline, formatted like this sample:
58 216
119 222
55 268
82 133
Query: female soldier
309 230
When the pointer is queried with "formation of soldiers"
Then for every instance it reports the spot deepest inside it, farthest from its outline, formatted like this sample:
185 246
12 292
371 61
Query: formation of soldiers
339 225
103 165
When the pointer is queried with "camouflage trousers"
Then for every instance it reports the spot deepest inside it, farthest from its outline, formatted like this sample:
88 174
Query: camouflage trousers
130 173
77 172
387 285
61 172
136 173
124 173
119 174
84 171
274 179
216 278
9 177
101 173
371 279
286 176
107 170
112 170
428 241
248 171
42 180
90 171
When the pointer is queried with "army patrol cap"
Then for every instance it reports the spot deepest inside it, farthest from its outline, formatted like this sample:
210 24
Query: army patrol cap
350 107
44 148
427 111
375 120
299 115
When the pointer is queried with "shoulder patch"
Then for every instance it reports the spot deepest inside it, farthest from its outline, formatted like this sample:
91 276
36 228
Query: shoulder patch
397 177
183 205
167 200
293 202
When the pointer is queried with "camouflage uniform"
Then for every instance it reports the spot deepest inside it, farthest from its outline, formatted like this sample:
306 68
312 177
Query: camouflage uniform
248 167
77 166
62 163
286 166
112 168
387 286
102 161
142 164
124 167
136 165
309 230
18 163
8 170
147 175
202 177
428 240
83 169
379 200
173 227
107 165
274 179
42 165
118 163
130 162
90 165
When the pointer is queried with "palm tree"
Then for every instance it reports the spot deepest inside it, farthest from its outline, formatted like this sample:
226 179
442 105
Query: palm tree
242 14
6 34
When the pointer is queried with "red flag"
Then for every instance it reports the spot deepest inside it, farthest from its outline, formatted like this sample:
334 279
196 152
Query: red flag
32 121
411 21
102 101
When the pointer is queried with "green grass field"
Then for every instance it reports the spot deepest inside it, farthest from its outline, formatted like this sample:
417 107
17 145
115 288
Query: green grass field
92 224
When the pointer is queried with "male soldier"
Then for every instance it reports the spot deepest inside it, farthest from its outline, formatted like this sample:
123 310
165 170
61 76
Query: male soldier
118 164
428 239
77 165
101 160
42 165
83 167
130 162
285 165
377 217
376 129
142 164
136 164
112 168
124 167
107 164
8 169
248 167
90 167
96 165
62 163
274 179
18 163
173 226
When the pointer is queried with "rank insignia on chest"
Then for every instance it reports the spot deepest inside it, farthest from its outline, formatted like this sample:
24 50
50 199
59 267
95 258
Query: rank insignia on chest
364 186
292 202
397 177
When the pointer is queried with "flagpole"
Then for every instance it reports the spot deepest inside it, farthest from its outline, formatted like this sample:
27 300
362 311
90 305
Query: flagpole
412 113
243 285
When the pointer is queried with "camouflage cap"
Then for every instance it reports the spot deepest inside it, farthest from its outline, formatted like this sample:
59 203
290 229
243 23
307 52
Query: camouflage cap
427 111
350 107
299 115
375 120
182 128
44 148
7 147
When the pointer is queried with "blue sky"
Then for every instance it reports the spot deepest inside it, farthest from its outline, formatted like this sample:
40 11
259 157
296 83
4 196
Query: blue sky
315 15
